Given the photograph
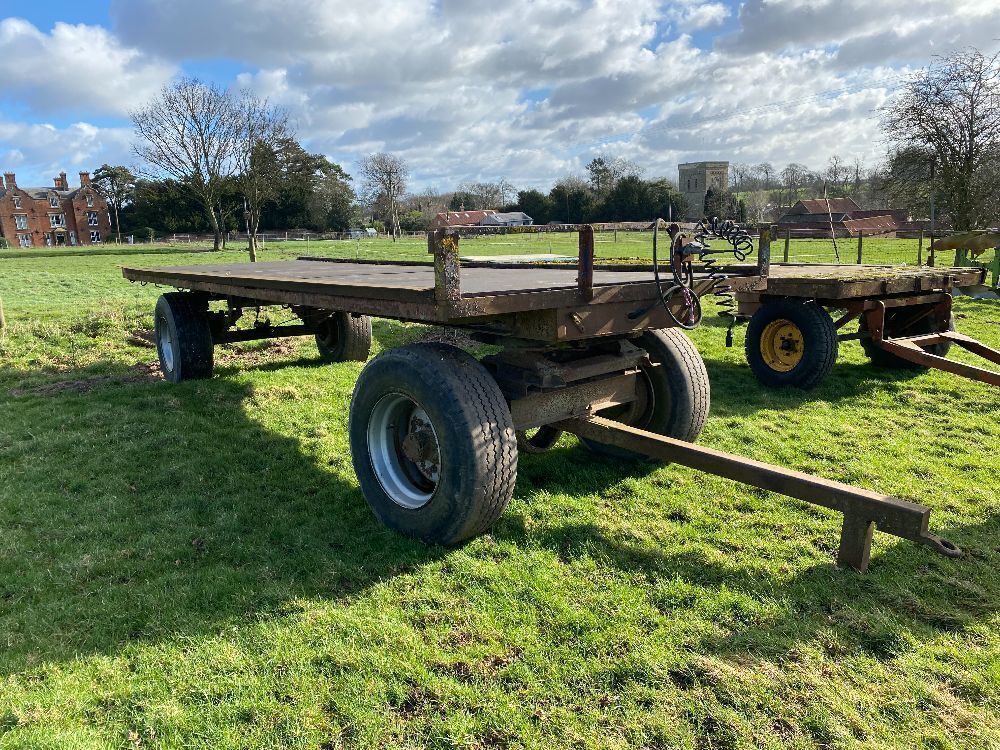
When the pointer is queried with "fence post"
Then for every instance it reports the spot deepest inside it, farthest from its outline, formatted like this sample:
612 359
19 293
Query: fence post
788 239
920 247
930 251
861 239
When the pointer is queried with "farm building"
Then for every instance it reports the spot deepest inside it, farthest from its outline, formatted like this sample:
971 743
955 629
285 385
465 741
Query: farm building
460 218
846 216
53 216
509 219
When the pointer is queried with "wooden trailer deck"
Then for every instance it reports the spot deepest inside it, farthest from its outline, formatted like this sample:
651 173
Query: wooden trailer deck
387 282
847 281
538 303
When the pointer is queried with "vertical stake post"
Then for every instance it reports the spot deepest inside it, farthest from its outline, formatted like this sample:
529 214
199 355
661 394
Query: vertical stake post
443 245
764 252
920 247
861 239
788 240
585 266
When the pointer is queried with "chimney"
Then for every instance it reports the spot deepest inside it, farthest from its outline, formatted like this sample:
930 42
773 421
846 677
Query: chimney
10 180
84 179
61 183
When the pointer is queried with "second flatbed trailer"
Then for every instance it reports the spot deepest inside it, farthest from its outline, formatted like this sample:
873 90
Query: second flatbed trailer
435 433
903 318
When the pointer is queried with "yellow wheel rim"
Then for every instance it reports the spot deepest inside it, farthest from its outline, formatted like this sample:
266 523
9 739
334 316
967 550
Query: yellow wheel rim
782 345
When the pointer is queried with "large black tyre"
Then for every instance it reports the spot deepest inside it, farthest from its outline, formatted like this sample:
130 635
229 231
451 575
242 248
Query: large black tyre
791 343
183 336
677 393
342 337
895 320
432 442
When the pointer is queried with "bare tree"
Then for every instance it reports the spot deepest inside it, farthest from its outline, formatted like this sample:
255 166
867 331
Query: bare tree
793 177
507 192
739 174
258 166
951 112
384 179
766 171
835 171
190 132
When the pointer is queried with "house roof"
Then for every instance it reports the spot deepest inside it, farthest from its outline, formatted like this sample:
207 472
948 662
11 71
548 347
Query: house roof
462 218
43 193
874 223
824 205
507 216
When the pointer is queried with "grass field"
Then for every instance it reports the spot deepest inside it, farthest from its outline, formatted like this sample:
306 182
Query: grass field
608 245
194 566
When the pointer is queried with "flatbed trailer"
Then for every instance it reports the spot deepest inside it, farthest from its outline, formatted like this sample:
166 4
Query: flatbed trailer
904 318
435 433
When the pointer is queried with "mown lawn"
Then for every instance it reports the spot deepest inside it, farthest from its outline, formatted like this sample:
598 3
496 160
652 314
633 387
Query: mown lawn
194 566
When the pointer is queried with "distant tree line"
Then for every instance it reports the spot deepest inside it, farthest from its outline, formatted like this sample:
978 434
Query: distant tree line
613 190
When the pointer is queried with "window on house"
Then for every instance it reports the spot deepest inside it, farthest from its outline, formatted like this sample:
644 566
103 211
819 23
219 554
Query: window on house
54 202
95 237
24 240
20 221
17 201
90 200
92 219
57 220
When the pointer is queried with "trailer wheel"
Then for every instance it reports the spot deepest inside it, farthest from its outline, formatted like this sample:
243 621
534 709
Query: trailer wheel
183 337
432 442
342 337
538 441
791 344
676 397
893 329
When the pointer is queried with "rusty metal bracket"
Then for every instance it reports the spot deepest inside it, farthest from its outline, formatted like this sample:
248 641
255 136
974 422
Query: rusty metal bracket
912 348
864 511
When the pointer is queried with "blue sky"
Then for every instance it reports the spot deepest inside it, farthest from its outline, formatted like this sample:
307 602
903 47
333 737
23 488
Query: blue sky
530 96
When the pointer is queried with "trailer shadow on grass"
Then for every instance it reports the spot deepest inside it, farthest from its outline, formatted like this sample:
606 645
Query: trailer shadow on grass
909 594
138 511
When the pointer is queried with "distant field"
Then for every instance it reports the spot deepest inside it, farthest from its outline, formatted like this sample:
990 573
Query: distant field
194 565
608 246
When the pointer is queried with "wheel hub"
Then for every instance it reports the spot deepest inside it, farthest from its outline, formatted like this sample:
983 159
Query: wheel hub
404 451
166 345
782 345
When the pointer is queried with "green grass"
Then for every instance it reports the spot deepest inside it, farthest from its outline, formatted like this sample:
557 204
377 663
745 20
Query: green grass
608 245
194 566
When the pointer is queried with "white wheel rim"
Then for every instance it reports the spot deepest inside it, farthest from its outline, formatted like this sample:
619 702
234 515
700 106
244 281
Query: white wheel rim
166 345
404 451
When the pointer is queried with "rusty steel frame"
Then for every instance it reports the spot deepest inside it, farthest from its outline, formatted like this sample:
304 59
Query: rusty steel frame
864 511
911 348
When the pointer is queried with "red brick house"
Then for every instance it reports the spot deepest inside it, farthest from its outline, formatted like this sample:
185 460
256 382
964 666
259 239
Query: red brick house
53 216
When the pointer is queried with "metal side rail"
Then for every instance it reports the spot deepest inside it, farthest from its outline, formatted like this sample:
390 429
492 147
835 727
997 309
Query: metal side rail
911 348
863 511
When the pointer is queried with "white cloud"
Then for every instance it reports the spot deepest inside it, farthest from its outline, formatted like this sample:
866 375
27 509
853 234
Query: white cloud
74 69
40 151
531 89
